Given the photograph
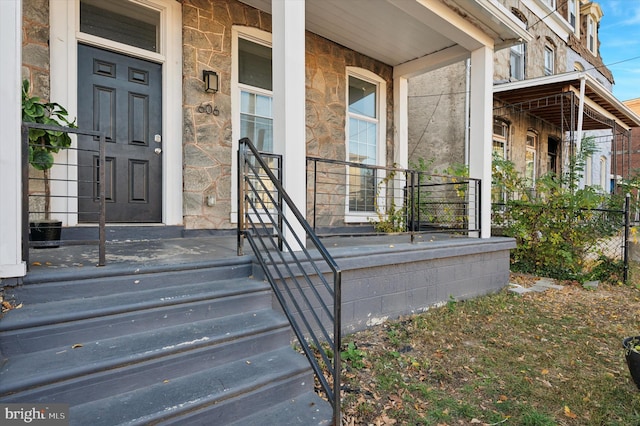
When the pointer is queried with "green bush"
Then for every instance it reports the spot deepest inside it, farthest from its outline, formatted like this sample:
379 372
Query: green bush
556 224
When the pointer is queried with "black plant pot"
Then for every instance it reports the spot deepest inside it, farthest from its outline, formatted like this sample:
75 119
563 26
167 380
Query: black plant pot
45 233
633 358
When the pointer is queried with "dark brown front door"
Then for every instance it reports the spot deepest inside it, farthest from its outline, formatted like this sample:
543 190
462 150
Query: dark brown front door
121 96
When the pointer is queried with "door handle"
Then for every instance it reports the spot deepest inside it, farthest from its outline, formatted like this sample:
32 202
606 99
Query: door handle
158 151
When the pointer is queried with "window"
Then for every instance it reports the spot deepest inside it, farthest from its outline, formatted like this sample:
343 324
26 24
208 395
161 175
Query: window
121 21
500 132
588 171
552 155
571 13
530 158
591 35
365 146
256 95
603 173
517 62
549 60
577 66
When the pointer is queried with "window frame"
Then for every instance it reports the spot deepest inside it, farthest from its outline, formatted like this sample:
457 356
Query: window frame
381 113
592 37
531 149
519 52
549 60
572 16
501 138
257 36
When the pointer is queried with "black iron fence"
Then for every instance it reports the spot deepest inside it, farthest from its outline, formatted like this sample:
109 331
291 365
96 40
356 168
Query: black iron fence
308 287
602 234
358 199
51 194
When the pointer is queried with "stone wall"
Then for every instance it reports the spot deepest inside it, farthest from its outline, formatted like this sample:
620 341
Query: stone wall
207 140
35 68
437 111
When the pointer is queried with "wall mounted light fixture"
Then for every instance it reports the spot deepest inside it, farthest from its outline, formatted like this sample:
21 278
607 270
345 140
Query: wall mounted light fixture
210 79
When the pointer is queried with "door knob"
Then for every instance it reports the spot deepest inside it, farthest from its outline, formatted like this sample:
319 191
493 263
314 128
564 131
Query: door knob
158 151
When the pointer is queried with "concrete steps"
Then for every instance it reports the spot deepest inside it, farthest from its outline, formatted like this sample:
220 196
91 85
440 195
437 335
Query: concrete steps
199 345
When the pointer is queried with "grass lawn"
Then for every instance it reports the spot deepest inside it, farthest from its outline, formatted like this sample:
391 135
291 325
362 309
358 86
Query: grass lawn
552 358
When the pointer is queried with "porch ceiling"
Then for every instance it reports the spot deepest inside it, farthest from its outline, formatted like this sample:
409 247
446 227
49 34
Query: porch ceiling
398 31
547 98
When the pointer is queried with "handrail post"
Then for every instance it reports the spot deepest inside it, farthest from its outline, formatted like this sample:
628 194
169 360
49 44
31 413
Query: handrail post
25 195
627 223
315 192
279 161
412 207
241 194
337 342
102 218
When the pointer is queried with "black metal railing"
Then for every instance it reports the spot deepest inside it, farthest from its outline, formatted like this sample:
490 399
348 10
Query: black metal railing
605 231
40 188
307 287
351 198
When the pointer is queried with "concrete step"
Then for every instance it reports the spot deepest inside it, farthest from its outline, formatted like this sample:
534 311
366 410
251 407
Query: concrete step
195 345
54 311
203 391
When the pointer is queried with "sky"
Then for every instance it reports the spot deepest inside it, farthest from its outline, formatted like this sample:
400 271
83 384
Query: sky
619 34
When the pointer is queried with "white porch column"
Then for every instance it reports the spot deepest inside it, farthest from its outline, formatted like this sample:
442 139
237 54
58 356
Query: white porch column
289 131
11 264
401 126
480 124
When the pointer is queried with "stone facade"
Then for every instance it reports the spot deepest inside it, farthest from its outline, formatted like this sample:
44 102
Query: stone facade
206 137
436 128
207 140
35 68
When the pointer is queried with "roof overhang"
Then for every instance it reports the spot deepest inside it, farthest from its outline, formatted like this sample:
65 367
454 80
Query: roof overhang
541 97
400 31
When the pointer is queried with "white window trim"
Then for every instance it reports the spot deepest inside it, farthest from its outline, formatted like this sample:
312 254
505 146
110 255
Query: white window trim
522 66
257 36
381 153
592 30
502 139
575 13
532 149
65 36
549 52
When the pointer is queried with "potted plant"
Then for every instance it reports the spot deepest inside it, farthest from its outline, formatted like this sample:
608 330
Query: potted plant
42 145
632 354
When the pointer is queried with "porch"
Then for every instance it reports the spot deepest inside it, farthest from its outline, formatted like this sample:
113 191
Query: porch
384 276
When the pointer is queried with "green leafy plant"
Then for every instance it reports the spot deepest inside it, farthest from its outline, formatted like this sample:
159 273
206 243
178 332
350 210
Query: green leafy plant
557 224
391 218
44 143
353 356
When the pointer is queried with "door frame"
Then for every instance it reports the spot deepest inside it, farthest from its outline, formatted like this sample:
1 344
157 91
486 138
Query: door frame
64 38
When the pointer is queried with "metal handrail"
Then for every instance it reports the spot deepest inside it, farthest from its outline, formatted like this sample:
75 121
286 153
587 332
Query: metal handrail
300 282
405 193
101 188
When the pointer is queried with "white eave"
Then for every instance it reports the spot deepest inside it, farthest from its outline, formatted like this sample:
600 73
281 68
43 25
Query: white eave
399 31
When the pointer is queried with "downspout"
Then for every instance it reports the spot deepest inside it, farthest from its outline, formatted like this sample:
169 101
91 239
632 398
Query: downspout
467 109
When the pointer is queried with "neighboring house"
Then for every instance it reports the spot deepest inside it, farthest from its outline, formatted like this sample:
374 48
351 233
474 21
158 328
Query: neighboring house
549 93
293 76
